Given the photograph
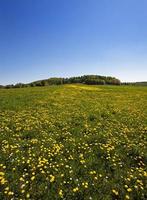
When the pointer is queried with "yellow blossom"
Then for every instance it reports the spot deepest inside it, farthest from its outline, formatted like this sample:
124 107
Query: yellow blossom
75 189
115 192
52 178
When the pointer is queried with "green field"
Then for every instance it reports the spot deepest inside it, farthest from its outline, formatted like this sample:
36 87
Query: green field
73 142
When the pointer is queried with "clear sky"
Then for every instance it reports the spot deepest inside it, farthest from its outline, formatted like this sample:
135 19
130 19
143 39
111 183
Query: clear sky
52 38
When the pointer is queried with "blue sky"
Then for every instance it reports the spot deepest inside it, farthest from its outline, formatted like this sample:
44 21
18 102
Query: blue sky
48 38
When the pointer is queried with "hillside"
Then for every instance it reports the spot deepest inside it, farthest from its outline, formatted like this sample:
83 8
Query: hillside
86 79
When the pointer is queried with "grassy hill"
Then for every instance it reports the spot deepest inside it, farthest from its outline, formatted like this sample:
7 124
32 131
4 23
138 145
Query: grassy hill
73 142
86 79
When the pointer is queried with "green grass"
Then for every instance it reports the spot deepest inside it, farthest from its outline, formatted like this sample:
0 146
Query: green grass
73 142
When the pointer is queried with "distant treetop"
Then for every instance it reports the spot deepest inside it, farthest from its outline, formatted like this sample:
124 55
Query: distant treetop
86 79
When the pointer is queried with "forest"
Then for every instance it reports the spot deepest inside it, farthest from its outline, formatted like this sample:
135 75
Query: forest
86 79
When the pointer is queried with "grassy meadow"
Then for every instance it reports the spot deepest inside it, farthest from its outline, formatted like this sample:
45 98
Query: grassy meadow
73 142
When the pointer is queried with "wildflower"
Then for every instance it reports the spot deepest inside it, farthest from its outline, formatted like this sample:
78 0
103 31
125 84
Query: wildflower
145 174
85 184
7 188
28 195
115 192
52 178
3 181
32 178
21 179
127 197
129 190
92 172
10 193
61 193
75 189
136 187
22 186
2 174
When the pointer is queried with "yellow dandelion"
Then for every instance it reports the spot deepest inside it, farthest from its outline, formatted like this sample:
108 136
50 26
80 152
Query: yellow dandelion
75 189
127 197
115 192
32 178
10 193
52 178
22 191
61 193
28 195
129 190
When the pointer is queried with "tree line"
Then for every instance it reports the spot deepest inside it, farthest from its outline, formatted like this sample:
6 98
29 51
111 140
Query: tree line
86 79
144 83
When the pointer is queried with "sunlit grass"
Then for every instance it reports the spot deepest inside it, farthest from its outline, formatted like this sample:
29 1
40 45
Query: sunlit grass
73 142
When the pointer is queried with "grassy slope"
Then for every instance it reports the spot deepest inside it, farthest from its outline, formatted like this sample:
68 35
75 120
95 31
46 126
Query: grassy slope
73 142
